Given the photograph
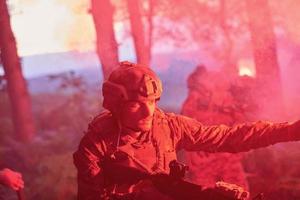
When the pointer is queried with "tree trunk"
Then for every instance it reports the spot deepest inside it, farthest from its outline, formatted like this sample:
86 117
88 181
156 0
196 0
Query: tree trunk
150 27
138 32
265 53
230 63
17 89
107 48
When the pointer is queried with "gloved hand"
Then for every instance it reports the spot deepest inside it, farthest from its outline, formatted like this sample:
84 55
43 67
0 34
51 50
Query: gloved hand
11 179
231 190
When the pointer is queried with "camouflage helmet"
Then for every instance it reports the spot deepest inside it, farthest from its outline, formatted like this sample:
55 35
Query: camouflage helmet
130 81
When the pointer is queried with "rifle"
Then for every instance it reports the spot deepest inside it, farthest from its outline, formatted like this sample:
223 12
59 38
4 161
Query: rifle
171 184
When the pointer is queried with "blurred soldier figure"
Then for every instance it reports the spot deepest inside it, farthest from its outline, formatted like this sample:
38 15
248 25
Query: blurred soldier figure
11 179
134 132
213 99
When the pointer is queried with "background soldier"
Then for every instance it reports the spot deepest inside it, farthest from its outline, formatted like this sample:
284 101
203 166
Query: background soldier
222 101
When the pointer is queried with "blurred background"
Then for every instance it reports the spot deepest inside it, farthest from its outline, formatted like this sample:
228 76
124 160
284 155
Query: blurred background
221 62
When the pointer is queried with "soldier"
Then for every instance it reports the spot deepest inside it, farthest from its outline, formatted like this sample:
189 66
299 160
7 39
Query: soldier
135 132
215 102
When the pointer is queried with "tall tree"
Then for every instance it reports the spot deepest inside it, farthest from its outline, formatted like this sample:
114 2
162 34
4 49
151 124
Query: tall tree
150 15
138 31
215 26
17 90
230 65
107 48
264 50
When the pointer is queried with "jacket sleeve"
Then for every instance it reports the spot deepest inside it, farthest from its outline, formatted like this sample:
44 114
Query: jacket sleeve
87 161
191 135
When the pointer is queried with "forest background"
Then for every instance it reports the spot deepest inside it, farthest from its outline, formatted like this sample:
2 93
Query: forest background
56 53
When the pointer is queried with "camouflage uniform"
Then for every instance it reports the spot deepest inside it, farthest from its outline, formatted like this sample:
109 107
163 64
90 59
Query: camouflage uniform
154 150
151 151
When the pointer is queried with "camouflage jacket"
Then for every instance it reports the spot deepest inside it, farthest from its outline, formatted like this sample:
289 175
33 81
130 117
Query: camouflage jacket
154 150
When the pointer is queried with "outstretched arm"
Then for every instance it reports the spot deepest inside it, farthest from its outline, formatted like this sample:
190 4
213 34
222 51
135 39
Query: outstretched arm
220 138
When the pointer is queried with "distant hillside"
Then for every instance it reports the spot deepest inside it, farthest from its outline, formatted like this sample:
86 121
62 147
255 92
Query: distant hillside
53 63
173 68
173 72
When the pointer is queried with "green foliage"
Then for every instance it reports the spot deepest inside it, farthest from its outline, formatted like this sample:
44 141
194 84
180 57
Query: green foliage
61 118
46 165
57 178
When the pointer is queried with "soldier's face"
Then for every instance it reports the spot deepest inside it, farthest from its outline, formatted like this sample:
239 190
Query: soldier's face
138 115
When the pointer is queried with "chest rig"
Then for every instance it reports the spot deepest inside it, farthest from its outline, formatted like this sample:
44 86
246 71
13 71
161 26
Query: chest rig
161 140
